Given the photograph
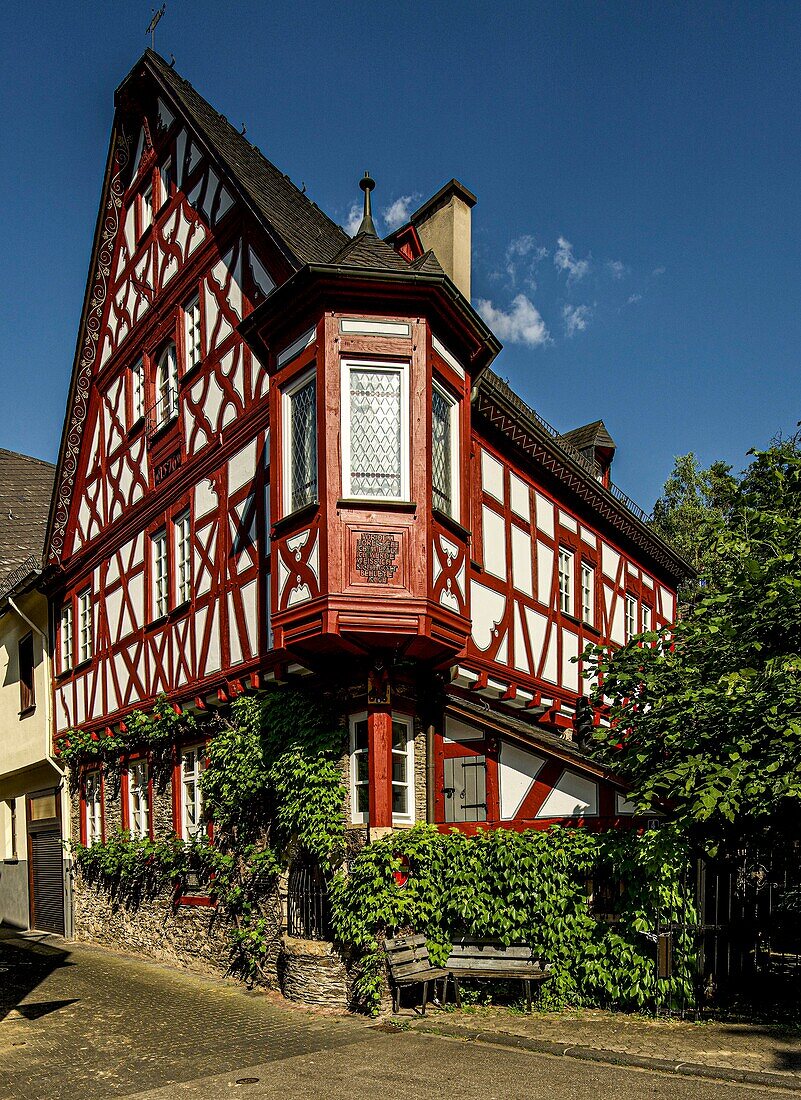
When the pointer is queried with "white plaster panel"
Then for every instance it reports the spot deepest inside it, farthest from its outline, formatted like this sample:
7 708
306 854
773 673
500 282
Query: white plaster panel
588 537
521 656
610 560
488 607
617 630
518 498
457 731
567 521
233 633
544 573
570 671
213 658
250 605
261 276
205 498
573 796
667 603
494 533
544 514
242 467
518 768
521 561
492 476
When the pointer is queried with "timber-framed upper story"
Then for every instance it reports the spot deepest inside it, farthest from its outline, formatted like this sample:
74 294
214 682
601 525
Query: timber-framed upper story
284 446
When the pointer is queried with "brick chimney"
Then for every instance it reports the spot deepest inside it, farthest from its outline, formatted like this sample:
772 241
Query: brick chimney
443 225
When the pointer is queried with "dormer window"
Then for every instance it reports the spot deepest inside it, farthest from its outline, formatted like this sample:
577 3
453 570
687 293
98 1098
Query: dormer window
375 431
166 387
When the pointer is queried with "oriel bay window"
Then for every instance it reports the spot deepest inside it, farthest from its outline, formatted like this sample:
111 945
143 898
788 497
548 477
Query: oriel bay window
402 770
444 452
299 403
375 431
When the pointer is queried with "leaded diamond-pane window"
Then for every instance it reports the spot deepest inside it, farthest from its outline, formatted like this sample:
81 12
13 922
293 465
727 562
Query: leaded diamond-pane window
303 404
375 433
441 451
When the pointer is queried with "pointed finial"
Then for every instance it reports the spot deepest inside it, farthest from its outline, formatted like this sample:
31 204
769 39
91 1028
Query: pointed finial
368 225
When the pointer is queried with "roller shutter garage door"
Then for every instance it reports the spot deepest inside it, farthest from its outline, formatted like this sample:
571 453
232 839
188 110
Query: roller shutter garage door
47 879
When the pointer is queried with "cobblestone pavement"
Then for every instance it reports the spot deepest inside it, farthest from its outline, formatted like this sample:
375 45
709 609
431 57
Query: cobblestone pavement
729 1046
79 1021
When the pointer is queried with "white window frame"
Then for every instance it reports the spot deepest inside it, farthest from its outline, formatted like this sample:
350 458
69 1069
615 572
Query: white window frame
566 560
138 799
387 367
145 208
453 427
287 393
93 807
182 526
645 611
587 593
193 348
85 625
188 831
137 392
630 616
160 573
67 638
406 720
167 386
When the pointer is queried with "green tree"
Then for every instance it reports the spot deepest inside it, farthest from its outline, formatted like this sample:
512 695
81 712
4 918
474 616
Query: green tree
706 718
693 501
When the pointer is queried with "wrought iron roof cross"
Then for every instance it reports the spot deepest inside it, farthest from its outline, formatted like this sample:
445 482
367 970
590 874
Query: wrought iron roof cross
154 22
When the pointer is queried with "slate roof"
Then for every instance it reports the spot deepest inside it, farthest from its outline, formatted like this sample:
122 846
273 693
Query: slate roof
428 262
368 251
26 485
306 232
589 436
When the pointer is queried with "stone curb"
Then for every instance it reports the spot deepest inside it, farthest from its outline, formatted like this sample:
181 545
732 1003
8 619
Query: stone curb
791 1082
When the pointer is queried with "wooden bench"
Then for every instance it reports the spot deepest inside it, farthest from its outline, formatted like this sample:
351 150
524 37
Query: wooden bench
409 964
475 959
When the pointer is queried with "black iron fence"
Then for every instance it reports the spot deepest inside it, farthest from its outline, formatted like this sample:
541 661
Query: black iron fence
308 911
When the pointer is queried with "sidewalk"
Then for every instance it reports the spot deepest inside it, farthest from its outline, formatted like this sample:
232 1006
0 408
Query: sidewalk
747 1053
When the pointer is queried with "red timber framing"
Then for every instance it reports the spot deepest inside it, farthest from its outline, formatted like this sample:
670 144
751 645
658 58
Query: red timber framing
215 565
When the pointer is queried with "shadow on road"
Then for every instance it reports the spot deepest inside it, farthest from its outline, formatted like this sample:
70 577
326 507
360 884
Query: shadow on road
25 962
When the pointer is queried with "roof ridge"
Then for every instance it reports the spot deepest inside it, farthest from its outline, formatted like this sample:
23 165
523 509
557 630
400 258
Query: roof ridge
28 458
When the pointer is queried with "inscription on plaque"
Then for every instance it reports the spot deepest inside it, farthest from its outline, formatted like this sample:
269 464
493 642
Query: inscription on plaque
376 556
167 467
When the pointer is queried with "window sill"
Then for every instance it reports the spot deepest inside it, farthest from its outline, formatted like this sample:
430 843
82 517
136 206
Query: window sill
377 504
137 427
179 609
160 621
452 524
293 518
65 672
82 665
190 374
591 629
163 429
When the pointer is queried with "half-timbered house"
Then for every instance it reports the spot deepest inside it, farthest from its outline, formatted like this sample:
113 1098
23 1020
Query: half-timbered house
286 456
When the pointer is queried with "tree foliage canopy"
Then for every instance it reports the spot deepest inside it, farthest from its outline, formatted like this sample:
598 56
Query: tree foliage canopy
706 718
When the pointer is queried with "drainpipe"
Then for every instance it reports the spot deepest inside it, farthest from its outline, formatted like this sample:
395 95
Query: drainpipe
430 775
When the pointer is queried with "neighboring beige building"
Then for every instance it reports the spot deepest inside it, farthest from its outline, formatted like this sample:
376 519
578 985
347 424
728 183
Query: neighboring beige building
32 788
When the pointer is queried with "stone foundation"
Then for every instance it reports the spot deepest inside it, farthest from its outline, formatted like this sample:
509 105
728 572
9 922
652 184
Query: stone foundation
312 971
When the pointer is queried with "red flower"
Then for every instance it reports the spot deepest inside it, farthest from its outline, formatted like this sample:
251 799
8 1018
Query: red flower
619 745
67 745
94 737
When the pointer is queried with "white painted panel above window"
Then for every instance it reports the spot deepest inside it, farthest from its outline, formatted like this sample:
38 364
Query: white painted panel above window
519 498
450 359
494 533
588 537
375 328
521 561
293 350
667 603
567 521
456 730
492 476
544 514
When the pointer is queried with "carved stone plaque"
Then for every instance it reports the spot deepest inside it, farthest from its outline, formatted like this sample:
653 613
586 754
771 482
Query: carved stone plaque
377 556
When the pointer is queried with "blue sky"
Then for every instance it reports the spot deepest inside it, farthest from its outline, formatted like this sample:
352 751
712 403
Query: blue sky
637 165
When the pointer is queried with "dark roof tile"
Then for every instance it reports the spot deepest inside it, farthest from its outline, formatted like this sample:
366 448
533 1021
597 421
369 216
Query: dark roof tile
26 485
368 251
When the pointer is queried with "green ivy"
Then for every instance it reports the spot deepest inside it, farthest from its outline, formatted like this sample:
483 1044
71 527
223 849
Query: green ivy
528 887
272 788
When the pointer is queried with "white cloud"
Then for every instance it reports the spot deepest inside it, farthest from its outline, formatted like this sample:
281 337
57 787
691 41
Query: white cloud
634 298
525 251
616 268
576 319
355 213
522 324
398 211
658 271
565 260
